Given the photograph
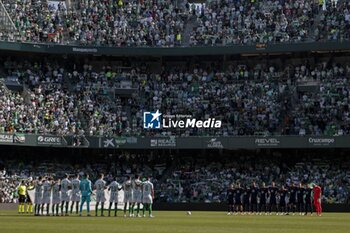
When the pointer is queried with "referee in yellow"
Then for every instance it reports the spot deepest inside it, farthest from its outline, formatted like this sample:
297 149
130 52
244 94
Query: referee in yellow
22 191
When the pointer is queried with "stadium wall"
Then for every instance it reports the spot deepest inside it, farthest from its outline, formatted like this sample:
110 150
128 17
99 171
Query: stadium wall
230 143
176 51
223 207
202 207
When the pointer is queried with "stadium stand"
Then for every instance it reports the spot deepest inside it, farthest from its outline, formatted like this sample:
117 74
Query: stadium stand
253 94
114 23
194 178
164 23
300 99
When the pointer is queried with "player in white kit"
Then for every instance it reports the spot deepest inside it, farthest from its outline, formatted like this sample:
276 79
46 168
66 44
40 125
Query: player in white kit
100 186
114 187
56 196
75 196
65 185
127 187
137 195
147 196
46 195
38 195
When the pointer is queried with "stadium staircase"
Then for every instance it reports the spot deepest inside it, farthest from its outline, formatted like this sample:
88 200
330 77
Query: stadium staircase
82 117
287 98
317 20
3 86
313 28
83 120
6 23
190 24
71 5
65 32
26 94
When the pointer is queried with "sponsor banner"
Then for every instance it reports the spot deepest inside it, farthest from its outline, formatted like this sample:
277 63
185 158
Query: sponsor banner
163 142
113 142
6 138
321 141
232 143
267 142
214 143
84 50
119 142
225 142
49 140
19 138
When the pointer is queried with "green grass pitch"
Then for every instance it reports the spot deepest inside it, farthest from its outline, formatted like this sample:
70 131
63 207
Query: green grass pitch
168 222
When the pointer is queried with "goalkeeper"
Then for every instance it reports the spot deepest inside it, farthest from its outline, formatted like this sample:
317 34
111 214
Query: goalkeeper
86 191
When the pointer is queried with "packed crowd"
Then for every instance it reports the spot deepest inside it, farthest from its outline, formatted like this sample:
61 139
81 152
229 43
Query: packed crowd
36 20
246 100
162 23
249 22
53 106
48 108
334 24
249 100
129 23
325 111
109 22
8 186
120 166
202 178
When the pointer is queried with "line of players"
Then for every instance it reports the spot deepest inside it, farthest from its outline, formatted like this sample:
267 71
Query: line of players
266 199
136 192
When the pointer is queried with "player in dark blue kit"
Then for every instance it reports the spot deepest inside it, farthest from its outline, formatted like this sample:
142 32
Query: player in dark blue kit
246 197
263 192
300 198
230 199
292 198
308 200
254 198
238 198
282 202
273 190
